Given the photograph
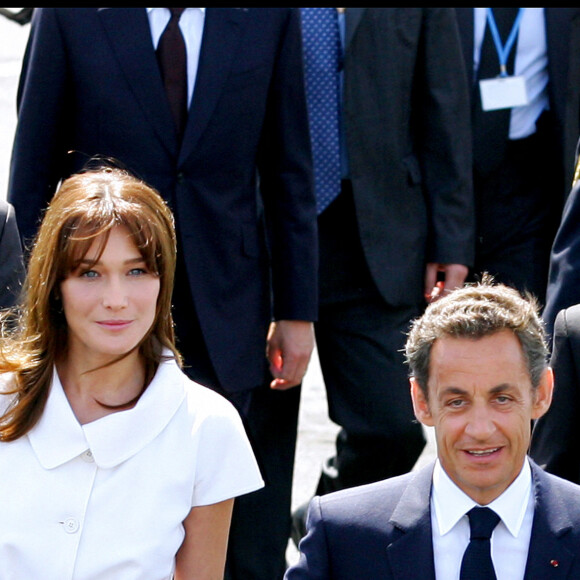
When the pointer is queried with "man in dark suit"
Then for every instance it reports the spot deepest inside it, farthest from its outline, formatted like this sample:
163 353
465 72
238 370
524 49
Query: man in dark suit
522 153
11 260
564 274
400 215
237 175
556 436
479 377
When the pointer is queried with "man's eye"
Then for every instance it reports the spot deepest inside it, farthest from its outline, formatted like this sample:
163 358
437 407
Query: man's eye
455 403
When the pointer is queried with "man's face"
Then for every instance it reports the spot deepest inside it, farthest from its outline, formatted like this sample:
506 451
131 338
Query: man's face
481 404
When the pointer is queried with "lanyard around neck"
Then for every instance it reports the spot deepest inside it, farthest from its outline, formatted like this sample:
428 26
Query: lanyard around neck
503 51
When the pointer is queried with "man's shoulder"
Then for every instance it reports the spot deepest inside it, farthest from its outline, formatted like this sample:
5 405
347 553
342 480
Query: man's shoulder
557 495
372 500
570 317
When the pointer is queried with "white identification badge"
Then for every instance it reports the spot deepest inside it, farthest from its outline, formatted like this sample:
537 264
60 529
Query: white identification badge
503 93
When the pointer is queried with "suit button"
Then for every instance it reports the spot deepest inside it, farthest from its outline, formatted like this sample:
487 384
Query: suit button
180 178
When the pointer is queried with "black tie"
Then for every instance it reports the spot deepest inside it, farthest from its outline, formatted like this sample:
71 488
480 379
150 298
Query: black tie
476 563
172 60
491 128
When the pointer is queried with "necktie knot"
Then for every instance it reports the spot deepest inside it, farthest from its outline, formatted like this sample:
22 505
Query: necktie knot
482 522
176 13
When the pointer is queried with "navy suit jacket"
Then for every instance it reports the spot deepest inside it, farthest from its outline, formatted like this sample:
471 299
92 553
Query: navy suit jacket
382 531
556 436
240 183
564 277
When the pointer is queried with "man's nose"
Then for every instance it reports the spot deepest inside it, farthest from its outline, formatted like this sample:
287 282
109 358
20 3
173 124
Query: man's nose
480 425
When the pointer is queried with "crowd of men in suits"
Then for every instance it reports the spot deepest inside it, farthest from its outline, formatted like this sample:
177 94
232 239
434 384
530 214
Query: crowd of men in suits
333 173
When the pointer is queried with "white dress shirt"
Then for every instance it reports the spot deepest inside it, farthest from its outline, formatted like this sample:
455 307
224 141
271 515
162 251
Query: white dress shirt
531 62
191 25
107 499
450 526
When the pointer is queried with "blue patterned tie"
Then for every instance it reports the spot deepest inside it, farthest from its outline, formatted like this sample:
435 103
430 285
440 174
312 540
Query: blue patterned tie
322 50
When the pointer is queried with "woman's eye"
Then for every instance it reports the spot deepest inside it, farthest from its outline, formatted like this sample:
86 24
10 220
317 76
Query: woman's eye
89 274
137 272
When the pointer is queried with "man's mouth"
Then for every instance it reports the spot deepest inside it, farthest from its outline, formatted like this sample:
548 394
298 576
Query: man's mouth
482 452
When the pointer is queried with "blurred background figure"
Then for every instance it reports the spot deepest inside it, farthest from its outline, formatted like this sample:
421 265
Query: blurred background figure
389 123
556 436
11 260
523 136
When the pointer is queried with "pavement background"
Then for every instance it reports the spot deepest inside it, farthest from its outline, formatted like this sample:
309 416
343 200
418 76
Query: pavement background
316 433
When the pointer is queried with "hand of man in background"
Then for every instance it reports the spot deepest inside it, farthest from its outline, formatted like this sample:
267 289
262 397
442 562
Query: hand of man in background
289 346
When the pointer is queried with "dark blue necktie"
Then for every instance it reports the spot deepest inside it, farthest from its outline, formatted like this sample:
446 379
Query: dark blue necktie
476 563
322 51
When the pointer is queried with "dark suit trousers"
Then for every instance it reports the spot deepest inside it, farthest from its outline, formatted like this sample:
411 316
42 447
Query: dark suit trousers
359 337
261 520
518 210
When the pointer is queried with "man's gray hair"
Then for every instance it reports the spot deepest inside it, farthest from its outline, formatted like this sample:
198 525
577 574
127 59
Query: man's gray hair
475 311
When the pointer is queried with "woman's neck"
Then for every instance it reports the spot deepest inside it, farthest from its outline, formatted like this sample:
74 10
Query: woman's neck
96 392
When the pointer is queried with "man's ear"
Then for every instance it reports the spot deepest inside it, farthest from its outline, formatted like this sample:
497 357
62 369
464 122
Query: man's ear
420 404
543 394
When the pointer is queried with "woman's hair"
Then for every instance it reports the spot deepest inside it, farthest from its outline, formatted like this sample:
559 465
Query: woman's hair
87 206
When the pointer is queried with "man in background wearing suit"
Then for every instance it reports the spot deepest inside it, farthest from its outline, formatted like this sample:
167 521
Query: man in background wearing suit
524 134
11 260
556 436
207 106
564 275
393 181
483 510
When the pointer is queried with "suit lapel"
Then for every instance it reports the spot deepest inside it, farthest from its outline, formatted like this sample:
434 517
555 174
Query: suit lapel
549 555
130 38
411 555
219 43
352 20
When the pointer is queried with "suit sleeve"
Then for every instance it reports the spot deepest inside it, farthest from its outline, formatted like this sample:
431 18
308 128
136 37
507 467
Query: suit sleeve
313 563
11 261
286 183
445 139
564 275
556 437
40 142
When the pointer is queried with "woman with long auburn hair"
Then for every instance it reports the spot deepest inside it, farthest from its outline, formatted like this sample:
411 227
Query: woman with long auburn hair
113 463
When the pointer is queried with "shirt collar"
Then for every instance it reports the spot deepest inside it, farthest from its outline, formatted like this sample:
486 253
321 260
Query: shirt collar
58 437
451 503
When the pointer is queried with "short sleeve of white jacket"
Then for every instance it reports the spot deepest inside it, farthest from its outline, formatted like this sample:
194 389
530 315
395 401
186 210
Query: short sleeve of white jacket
107 499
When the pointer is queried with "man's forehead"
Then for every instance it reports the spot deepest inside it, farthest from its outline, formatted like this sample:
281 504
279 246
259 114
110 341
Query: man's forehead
497 342
495 361
458 390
